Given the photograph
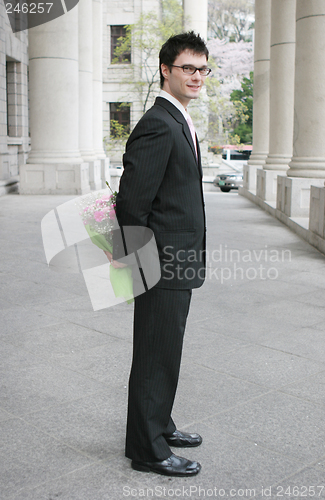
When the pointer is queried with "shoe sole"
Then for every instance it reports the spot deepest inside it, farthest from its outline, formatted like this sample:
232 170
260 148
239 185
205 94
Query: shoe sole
145 468
183 445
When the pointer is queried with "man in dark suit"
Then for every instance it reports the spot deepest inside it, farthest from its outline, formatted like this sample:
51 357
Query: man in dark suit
161 189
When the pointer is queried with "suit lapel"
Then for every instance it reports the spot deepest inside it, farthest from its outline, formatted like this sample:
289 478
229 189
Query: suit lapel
179 117
199 157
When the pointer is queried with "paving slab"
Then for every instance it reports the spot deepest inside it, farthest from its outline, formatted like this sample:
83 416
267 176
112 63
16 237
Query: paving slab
285 424
252 377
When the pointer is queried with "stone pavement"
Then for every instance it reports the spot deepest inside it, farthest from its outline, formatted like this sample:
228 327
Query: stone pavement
252 379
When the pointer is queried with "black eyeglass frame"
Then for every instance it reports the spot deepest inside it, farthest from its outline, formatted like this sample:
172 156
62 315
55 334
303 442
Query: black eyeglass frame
195 69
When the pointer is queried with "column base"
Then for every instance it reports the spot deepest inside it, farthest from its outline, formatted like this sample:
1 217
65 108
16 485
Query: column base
317 211
293 195
54 178
105 175
95 180
266 183
115 175
249 180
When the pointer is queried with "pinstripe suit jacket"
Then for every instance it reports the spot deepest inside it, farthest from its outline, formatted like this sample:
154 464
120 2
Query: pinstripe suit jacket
161 188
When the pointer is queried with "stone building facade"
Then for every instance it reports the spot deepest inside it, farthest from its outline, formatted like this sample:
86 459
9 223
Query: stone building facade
58 89
286 171
118 77
14 127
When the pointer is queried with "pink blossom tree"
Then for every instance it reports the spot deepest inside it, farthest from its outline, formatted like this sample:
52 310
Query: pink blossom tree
231 62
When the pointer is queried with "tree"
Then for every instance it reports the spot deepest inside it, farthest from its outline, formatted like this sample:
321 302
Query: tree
243 103
230 20
230 62
145 37
232 59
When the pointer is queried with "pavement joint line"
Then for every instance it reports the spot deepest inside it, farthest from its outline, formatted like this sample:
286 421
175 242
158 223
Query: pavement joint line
43 483
107 335
292 475
256 344
285 352
291 353
101 462
58 405
226 351
62 442
259 445
45 361
94 330
85 375
259 397
255 383
250 343
238 337
235 407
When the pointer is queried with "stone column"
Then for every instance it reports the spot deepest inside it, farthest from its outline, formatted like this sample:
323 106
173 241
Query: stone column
317 212
309 124
282 70
196 16
97 23
308 162
86 92
55 165
261 105
196 19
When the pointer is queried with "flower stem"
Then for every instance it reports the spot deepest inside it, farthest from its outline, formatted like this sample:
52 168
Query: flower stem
109 187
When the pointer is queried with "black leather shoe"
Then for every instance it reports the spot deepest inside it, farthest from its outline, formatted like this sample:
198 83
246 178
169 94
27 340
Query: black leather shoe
172 466
183 439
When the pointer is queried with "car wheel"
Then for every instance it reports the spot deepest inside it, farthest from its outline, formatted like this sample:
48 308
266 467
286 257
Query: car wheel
225 190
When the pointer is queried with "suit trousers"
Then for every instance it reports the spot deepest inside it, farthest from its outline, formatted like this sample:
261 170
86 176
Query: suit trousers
159 323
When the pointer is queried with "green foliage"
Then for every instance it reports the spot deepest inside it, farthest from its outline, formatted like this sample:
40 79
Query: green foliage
217 150
145 39
230 19
243 104
119 133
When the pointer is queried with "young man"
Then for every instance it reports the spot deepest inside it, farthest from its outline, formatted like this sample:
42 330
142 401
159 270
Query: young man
161 188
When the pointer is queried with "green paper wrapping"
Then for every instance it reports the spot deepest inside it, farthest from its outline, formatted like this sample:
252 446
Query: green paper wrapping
121 279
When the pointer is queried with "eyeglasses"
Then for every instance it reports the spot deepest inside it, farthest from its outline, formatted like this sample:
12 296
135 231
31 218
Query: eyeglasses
190 70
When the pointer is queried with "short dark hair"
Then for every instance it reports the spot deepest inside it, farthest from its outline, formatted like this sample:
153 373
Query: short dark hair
177 44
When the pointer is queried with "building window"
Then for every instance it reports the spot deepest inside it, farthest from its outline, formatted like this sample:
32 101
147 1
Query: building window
119 119
117 34
12 98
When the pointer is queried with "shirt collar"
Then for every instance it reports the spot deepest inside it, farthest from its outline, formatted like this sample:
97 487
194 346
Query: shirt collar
174 101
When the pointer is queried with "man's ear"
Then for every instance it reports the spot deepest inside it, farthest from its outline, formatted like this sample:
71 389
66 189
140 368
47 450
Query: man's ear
165 70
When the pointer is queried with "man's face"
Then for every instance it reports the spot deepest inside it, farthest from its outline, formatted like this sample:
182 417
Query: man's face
180 85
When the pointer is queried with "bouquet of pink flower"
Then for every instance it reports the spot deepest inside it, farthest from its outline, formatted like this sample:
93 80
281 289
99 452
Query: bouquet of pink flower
98 215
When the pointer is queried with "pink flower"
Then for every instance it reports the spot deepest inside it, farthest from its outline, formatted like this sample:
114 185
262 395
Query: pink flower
105 197
112 214
99 215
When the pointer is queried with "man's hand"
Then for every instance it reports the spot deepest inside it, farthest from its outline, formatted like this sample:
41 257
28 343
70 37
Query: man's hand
115 263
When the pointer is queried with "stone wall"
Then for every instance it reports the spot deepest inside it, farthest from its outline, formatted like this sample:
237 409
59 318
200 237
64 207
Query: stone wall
14 137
